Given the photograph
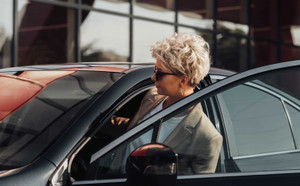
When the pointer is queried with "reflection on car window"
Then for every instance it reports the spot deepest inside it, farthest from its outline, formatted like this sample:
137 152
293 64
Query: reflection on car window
258 120
32 128
294 116
112 164
194 138
261 119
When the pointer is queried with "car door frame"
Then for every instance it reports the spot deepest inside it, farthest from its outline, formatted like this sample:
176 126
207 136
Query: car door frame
249 178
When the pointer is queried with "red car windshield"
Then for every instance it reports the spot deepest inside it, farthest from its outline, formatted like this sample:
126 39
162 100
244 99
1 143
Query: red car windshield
36 107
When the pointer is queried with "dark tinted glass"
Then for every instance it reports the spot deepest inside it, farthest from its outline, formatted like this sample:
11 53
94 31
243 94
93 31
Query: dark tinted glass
32 128
233 17
289 19
263 19
258 120
46 33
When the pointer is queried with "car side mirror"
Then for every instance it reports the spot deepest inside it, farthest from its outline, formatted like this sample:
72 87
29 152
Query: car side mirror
152 164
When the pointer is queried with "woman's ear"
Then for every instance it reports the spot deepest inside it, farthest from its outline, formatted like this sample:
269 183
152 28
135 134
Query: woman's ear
184 80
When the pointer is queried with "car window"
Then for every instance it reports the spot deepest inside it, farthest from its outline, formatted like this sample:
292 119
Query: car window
258 120
115 125
113 163
198 150
261 118
38 122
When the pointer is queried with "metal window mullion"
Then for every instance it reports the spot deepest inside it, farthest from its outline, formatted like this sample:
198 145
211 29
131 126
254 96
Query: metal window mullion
290 123
278 31
215 42
176 15
78 57
249 48
14 47
130 31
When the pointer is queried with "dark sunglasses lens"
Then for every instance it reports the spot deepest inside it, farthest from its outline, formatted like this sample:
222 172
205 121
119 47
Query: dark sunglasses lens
158 75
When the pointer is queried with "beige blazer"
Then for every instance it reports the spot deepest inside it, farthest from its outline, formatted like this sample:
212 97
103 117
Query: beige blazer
195 139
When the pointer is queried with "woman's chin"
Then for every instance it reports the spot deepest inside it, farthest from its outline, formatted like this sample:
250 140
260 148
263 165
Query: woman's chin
160 92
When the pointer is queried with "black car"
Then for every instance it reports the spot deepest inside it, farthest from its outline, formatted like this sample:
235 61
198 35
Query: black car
55 123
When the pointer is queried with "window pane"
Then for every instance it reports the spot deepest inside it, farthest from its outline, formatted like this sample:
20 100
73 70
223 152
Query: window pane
104 40
289 53
120 6
144 37
196 13
264 53
264 26
6 21
113 164
233 16
289 19
258 120
43 38
232 53
206 35
162 10
38 115
193 136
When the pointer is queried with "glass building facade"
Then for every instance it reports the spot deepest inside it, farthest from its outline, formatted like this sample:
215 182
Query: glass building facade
243 34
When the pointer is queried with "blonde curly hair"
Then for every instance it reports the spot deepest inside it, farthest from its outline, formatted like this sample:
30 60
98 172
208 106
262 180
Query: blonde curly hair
184 54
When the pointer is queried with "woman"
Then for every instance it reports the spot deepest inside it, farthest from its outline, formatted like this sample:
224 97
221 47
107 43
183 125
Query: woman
181 62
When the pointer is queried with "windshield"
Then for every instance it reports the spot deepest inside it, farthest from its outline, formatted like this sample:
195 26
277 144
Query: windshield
38 107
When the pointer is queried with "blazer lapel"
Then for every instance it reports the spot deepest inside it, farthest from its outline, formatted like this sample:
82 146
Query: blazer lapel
185 128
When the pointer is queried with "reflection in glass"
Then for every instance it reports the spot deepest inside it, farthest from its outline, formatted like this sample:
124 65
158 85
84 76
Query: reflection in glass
120 6
232 53
264 53
104 40
263 19
206 35
258 120
43 38
295 33
162 10
233 17
6 10
113 164
29 130
197 13
289 53
146 34
289 22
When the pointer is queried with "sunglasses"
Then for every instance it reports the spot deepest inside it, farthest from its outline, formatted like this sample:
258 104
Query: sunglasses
159 75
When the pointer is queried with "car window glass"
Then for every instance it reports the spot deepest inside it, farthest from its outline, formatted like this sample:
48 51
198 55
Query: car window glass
294 117
193 136
113 127
28 131
258 120
113 163
261 118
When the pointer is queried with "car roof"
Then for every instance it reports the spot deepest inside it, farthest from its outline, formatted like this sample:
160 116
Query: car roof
122 67
95 66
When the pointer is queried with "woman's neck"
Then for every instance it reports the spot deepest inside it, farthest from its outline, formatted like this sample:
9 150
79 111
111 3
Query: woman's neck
171 100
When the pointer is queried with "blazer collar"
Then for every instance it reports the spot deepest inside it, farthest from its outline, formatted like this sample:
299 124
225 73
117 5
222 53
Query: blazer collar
185 128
